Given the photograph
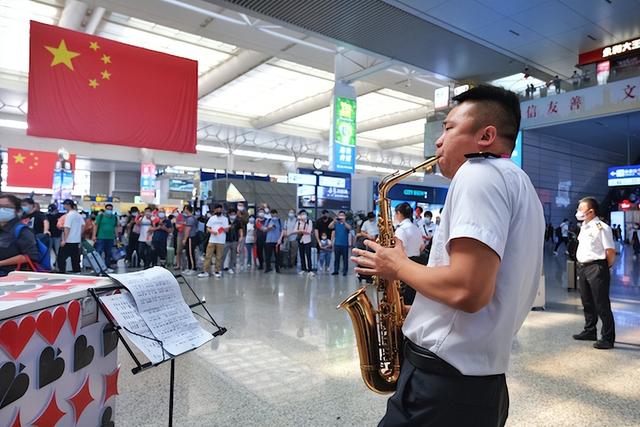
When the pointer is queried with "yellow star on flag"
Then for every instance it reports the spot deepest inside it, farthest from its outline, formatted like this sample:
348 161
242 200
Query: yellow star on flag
94 83
19 158
94 46
106 59
106 75
61 55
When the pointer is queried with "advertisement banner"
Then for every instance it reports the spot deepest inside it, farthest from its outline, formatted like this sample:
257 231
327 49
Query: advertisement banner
148 182
344 135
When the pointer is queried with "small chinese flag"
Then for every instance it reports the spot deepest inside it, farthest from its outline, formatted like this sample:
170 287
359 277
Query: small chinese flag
29 168
89 88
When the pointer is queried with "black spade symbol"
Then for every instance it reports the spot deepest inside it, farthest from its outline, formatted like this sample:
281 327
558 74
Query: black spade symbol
50 368
109 340
106 418
12 387
82 353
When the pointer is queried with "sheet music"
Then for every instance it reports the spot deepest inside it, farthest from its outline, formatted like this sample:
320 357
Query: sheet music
124 312
160 303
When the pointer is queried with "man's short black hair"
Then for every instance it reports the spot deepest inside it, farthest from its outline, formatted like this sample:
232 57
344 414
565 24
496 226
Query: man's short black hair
108 205
217 206
232 211
188 208
428 214
592 203
324 211
405 210
371 215
499 107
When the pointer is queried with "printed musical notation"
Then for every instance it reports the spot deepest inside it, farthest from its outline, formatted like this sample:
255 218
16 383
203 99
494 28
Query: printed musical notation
160 303
124 312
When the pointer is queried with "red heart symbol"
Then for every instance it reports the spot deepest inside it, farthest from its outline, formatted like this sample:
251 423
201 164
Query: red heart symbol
73 314
49 326
14 338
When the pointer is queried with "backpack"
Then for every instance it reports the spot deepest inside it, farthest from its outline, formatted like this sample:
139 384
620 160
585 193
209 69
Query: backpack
44 260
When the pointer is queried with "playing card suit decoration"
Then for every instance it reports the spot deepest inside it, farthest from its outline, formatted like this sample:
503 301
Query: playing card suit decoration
12 386
14 337
82 353
73 314
106 420
81 399
49 325
109 340
50 366
111 384
16 420
50 415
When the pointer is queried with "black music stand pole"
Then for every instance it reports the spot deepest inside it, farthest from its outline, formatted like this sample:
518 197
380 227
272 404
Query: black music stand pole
171 387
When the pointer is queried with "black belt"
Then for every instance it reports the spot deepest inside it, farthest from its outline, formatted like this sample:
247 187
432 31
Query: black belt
598 261
428 361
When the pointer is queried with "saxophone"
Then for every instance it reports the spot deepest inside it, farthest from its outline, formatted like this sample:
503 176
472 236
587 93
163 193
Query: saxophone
378 330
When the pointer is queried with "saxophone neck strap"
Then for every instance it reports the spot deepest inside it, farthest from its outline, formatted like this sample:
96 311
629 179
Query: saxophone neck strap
486 155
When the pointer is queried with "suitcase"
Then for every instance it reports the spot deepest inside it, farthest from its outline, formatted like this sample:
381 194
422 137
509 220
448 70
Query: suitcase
96 262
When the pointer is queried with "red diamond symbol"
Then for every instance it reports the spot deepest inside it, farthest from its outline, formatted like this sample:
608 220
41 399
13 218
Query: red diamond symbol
111 384
81 399
51 415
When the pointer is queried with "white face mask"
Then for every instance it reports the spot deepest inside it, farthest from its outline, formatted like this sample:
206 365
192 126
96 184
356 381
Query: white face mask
232 217
266 210
580 216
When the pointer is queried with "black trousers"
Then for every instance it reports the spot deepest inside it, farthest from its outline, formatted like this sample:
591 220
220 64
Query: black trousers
593 283
440 399
132 247
261 242
270 250
305 256
561 240
190 248
69 250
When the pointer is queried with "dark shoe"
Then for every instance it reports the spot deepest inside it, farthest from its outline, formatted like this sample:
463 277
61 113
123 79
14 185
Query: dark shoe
603 345
586 336
278 271
344 274
268 270
335 273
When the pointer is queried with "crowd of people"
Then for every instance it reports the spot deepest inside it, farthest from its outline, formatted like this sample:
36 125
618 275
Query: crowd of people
211 244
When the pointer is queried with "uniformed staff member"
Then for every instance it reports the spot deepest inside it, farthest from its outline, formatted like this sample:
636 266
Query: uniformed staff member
482 276
595 255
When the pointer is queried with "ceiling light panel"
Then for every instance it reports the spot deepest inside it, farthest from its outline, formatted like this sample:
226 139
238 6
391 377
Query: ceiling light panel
207 57
316 120
265 89
391 133
404 96
14 26
375 104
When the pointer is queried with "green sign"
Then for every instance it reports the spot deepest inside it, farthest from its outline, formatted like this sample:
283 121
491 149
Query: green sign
345 121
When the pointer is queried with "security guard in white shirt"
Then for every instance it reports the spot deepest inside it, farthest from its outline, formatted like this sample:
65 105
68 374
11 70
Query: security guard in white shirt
595 255
482 276
428 230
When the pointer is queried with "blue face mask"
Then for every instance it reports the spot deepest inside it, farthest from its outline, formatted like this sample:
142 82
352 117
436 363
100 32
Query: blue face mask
108 212
7 214
26 209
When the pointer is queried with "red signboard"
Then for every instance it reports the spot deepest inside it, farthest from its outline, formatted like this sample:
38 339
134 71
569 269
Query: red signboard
611 51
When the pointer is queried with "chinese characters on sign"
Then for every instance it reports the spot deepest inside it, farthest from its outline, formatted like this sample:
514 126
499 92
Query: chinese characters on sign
619 48
344 135
148 181
624 175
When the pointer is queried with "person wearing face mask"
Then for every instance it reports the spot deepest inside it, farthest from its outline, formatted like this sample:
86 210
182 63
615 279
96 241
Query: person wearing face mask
304 228
189 239
36 220
483 273
71 238
324 256
261 237
368 229
14 250
340 242
161 229
408 233
595 255
145 251
218 226
273 227
322 225
235 234
53 215
635 240
133 234
105 232
291 238
428 230
250 241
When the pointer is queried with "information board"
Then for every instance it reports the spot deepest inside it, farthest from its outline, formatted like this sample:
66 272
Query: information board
620 176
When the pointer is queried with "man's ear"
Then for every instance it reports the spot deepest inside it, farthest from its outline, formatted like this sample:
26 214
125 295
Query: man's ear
487 136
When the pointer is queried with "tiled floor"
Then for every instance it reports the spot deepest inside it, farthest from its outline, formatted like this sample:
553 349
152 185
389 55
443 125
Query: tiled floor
289 359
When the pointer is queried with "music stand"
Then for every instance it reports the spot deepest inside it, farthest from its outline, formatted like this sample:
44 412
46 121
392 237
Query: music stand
140 367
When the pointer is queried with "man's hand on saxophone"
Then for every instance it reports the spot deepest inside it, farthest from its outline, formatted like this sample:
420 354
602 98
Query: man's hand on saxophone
383 262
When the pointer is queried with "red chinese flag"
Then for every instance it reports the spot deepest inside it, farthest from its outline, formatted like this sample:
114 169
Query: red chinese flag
30 168
89 88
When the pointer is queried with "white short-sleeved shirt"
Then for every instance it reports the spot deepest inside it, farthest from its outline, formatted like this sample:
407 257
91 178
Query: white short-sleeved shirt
428 230
371 228
74 222
410 236
494 202
594 239
145 225
215 223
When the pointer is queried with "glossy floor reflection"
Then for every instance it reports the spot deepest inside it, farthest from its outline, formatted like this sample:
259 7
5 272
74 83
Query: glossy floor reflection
289 359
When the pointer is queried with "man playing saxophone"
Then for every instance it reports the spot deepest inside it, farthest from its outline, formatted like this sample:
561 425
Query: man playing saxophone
482 276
